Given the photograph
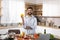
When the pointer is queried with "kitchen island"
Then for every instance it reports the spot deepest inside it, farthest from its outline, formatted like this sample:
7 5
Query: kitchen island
39 29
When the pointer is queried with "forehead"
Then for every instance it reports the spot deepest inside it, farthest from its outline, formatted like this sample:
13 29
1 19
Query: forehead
29 9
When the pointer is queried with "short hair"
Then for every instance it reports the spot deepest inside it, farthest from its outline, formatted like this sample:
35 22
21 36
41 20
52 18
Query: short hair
29 8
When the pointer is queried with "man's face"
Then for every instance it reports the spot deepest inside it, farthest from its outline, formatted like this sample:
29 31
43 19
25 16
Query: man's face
29 11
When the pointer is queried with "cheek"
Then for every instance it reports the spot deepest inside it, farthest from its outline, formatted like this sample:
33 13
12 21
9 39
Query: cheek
32 11
29 11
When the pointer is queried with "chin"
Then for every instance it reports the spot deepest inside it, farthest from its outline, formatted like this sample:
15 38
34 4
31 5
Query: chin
30 13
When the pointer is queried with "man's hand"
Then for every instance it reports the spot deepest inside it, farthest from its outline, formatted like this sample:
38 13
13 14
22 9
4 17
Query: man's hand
22 17
28 27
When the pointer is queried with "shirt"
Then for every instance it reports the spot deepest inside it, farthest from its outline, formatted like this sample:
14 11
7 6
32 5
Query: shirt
32 22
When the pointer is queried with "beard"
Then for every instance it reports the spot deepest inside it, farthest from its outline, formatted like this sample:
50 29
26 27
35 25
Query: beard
29 13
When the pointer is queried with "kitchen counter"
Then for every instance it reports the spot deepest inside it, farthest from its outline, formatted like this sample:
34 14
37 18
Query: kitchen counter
39 29
6 27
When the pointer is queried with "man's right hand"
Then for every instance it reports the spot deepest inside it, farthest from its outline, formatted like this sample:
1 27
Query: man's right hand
22 17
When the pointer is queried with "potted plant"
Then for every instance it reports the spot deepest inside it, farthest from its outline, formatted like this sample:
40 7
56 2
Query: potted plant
51 37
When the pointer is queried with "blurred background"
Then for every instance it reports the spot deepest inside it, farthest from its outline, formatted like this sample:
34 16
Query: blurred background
47 13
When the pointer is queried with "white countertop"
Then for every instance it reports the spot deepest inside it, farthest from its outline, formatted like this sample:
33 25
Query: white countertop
39 29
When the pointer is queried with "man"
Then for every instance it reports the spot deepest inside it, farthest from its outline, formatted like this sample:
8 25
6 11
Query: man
29 21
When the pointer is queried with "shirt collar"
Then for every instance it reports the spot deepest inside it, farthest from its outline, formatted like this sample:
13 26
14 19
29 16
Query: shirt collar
31 16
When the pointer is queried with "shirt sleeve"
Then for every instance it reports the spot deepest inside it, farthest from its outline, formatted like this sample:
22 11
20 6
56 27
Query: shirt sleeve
24 25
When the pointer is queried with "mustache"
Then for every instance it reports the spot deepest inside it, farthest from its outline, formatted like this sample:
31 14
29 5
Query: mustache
29 13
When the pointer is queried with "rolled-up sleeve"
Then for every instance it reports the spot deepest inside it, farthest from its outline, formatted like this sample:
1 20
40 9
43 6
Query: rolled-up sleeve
24 25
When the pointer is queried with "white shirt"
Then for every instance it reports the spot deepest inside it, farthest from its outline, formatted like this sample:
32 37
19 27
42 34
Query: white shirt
32 22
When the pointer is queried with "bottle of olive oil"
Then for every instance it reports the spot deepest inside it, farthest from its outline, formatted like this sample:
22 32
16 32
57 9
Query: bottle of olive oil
44 31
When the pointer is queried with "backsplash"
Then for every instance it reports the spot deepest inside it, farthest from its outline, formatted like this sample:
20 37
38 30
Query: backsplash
48 21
